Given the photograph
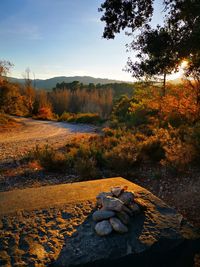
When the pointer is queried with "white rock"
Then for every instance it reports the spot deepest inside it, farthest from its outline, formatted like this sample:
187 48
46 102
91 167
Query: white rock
103 228
112 203
100 215
100 197
116 191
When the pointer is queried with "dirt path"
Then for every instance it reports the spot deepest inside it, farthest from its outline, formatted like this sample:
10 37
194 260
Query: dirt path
16 143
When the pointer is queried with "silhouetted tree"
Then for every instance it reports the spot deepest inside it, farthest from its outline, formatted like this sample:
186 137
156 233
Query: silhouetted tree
179 38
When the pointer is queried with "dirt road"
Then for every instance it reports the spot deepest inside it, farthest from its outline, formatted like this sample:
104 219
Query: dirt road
16 143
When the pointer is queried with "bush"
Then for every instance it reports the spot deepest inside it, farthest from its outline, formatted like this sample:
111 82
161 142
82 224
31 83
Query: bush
44 113
7 122
178 154
4 119
50 159
81 118
151 149
122 158
86 168
65 116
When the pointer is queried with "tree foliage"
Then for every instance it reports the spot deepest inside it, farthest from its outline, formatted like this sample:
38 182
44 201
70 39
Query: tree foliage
160 49
121 14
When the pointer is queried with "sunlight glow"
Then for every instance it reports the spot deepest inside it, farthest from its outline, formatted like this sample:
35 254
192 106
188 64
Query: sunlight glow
184 64
182 67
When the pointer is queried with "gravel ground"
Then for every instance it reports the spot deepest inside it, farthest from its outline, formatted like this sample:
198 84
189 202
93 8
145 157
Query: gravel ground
16 143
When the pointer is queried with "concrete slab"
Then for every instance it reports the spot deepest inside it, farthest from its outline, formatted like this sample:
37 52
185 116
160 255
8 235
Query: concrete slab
53 226
55 195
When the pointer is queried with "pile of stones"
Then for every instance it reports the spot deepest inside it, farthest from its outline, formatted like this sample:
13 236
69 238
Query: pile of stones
114 211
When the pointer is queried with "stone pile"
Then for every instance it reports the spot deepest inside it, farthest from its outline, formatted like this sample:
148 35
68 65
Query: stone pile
115 208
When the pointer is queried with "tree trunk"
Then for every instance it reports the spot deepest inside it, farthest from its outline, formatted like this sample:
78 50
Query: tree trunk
164 84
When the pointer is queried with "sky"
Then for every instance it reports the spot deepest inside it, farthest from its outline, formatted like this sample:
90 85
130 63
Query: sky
62 38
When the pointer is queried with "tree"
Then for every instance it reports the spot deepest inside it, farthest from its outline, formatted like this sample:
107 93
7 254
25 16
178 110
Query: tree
178 39
155 55
5 67
121 14
29 91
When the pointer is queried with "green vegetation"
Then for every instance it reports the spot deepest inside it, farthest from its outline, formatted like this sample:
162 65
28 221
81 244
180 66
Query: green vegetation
48 84
81 118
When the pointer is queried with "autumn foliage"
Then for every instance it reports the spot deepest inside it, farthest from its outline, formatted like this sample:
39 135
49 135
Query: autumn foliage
146 128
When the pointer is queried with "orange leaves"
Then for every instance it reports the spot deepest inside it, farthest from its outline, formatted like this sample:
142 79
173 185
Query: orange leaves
45 113
179 102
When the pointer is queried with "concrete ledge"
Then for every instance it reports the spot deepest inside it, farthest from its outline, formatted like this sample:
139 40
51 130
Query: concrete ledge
52 225
55 195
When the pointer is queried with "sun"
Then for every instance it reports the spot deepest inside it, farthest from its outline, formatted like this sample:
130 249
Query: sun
181 69
184 64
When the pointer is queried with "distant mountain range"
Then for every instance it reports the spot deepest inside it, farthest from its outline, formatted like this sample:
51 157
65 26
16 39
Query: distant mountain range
50 83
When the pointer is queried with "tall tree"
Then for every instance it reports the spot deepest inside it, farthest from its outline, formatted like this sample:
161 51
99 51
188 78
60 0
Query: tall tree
155 57
160 49
29 91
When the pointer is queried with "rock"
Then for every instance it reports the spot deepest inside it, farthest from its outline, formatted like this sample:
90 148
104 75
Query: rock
134 207
127 210
123 216
116 191
103 228
112 203
102 195
118 226
100 215
126 197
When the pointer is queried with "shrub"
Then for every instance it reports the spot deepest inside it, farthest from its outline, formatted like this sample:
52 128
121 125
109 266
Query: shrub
65 116
44 113
122 158
81 118
86 168
7 122
88 118
51 159
152 149
4 119
178 154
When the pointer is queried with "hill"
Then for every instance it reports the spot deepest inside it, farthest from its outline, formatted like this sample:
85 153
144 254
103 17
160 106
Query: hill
50 83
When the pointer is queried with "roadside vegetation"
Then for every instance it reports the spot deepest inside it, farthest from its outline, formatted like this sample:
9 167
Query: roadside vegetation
7 123
148 128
